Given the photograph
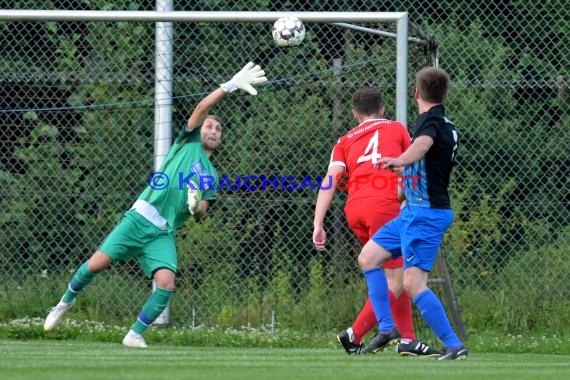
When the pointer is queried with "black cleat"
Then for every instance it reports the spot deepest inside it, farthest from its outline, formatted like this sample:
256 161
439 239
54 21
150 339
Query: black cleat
381 341
460 353
416 348
345 338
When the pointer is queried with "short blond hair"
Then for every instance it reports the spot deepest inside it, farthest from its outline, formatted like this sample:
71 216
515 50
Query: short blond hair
432 84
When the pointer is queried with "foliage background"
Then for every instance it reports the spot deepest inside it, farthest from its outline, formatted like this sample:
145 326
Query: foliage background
76 143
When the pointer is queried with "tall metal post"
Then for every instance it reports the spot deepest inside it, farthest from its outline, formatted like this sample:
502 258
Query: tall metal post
163 85
402 69
163 104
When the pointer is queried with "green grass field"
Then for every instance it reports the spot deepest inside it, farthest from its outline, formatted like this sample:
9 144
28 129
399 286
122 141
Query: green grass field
63 360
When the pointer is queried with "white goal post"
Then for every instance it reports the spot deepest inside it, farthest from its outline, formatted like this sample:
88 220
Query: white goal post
164 16
400 18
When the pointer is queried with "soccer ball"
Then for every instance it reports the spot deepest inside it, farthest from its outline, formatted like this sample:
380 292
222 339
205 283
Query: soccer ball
288 31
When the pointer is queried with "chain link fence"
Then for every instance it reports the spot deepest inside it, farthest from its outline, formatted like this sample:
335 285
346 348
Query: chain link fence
76 148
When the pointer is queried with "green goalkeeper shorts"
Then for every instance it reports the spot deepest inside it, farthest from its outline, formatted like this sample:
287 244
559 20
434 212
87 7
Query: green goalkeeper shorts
136 237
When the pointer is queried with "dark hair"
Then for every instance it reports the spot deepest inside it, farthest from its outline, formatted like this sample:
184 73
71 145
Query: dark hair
432 84
367 100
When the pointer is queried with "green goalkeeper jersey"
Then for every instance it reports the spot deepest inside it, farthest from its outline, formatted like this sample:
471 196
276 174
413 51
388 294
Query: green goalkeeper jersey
185 162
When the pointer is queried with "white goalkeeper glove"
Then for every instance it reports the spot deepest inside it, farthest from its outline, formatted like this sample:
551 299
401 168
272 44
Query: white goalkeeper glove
248 76
194 198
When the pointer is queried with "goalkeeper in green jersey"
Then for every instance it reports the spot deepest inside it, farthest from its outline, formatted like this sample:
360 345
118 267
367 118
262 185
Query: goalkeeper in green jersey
146 231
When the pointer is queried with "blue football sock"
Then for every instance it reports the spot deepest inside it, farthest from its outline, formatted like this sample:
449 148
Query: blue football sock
379 298
434 314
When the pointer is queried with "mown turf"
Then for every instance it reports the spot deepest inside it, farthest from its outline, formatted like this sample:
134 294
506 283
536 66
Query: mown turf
72 360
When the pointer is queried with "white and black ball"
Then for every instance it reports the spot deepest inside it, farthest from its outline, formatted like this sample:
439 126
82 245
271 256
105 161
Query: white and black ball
288 31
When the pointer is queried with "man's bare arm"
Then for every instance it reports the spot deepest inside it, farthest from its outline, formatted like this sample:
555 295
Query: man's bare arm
203 108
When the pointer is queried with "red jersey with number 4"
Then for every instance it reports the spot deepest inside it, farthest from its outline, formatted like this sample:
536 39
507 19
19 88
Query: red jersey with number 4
359 149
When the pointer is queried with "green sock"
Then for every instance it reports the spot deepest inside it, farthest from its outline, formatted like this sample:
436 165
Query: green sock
155 305
80 279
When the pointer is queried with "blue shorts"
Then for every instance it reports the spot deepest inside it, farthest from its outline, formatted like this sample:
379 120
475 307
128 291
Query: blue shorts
416 234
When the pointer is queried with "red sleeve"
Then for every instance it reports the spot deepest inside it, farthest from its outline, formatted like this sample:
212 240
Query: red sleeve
338 157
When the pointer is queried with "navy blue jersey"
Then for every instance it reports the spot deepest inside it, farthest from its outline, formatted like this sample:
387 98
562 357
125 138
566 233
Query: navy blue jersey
427 180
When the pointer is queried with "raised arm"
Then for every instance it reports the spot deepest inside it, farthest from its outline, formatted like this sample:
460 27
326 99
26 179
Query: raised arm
203 108
248 76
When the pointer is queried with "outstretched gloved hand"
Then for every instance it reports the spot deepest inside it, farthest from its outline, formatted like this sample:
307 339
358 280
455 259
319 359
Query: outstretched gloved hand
248 76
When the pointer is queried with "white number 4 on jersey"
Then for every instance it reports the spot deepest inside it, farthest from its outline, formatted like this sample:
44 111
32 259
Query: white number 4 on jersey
371 151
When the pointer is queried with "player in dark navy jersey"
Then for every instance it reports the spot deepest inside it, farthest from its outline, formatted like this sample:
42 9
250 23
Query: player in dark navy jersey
431 172
416 234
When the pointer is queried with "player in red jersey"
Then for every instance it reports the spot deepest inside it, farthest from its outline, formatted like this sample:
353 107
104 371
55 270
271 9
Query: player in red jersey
372 202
